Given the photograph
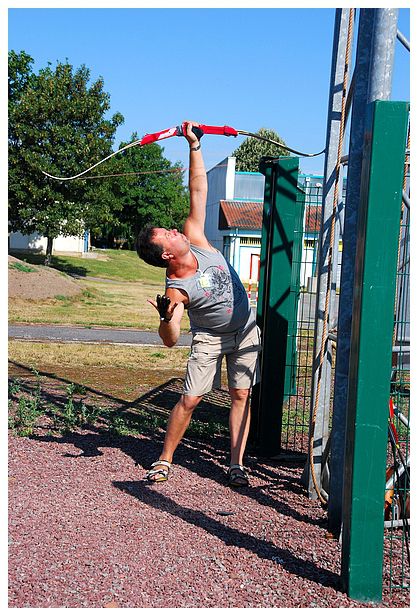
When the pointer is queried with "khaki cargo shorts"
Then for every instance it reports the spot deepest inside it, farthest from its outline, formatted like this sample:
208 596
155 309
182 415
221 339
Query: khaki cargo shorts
204 365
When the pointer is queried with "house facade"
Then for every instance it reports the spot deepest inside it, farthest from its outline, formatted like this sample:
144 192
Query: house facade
37 243
235 215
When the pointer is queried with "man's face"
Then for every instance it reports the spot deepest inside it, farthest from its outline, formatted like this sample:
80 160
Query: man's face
173 242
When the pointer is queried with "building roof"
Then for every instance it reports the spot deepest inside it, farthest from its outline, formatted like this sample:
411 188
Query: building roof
313 219
240 215
249 215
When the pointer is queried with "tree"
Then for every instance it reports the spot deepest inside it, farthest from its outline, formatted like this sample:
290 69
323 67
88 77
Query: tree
250 151
56 124
20 75
151 191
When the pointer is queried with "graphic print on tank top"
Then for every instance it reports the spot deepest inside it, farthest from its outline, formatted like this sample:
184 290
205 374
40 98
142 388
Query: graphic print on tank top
221 285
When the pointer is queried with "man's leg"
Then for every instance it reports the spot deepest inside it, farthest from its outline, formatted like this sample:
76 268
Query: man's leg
242 366
239 422
177 425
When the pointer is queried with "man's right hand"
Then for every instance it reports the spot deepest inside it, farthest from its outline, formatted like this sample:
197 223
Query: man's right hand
190 136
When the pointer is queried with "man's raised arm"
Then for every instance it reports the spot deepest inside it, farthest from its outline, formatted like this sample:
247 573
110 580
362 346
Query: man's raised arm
198 186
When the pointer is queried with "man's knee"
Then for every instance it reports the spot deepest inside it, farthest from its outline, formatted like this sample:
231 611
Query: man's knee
189 403
239 395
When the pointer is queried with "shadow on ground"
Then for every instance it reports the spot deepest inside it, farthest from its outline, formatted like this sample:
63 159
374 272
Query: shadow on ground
230 536
204 451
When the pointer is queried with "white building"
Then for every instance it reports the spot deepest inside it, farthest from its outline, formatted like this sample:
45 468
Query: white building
37 243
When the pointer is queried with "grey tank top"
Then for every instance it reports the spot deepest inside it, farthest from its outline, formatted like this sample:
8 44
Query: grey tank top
218 303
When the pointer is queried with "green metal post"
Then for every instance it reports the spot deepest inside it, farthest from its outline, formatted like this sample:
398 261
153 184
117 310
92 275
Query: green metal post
276 303
371 349
270 175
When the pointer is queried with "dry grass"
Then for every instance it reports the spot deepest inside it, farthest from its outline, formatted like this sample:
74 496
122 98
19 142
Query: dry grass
113 370
117 299
116 370
37 354
113 304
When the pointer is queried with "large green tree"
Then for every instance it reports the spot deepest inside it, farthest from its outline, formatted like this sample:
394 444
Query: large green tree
149 190
250 151
56 123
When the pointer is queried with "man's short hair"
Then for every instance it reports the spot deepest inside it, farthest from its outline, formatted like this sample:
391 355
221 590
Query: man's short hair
148 250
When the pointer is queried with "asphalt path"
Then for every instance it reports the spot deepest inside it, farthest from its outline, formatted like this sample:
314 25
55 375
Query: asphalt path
61 333
65 333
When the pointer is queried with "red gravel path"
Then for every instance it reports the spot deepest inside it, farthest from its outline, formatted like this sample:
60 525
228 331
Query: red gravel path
87 531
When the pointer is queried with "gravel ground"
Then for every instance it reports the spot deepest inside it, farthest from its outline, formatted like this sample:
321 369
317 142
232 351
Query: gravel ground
87 531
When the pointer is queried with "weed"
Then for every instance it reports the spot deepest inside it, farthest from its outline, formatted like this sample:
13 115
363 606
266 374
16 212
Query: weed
61 298
15 386
38 386
21 267
87 293
76 389
75 412
28 410
158 354
206 430
117 425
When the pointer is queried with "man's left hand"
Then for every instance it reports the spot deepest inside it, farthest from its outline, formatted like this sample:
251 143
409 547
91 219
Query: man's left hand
164 307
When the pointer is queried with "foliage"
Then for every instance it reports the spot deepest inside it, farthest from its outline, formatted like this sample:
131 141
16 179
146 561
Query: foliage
250 151
56 123
151 191
76 413
28 407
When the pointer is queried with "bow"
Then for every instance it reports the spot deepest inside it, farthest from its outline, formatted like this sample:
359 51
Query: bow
177 131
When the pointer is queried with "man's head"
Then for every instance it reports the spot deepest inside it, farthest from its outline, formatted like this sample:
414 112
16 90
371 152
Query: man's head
158 246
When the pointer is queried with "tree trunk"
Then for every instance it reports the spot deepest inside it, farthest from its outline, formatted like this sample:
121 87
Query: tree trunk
48 254
110 240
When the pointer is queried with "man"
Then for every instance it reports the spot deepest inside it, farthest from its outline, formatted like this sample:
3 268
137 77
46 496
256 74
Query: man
199 278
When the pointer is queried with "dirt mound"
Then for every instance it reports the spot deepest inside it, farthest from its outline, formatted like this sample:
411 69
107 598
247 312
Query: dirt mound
38 282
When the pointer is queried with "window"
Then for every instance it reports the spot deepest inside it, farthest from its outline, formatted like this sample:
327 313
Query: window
250 241
309 243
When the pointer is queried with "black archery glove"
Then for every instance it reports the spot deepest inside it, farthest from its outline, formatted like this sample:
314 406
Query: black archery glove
163 303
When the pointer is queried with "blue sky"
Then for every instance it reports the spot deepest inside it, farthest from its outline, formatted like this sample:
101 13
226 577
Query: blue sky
248 68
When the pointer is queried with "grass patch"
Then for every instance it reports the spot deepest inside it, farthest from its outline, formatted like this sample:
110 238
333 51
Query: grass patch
21 267
118 299
112 304
39 354
112 264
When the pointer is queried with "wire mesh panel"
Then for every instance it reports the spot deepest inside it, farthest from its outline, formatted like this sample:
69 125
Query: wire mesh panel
397 494
297 399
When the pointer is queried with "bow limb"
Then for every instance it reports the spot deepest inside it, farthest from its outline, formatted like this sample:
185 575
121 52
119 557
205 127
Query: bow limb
78 175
